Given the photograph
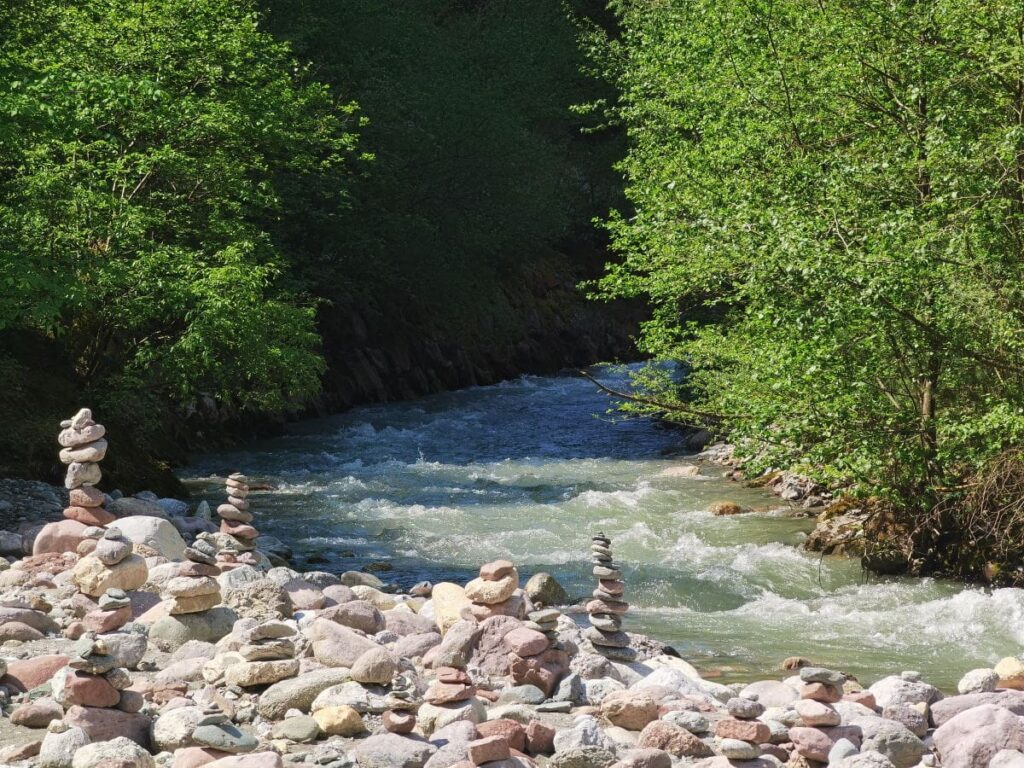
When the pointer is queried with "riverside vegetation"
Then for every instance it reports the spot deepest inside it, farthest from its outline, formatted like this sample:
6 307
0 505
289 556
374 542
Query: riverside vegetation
214 212
827 218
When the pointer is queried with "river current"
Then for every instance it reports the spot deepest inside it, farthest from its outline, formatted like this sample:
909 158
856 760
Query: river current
528 469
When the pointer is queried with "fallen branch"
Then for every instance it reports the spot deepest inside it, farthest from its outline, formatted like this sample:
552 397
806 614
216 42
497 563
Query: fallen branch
707 418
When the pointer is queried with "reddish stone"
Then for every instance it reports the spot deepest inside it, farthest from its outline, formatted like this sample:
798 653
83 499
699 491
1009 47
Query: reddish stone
240 531
864 698
159 691
448 693
106 724
107 621
62 536
28 673
829 694
509 730
90 515
544 670
86 547
189 568
37 714
488 749
20 752
603 606
397 721
47 562
612 587
452 675
89 690
673 739
751 731
86 496
194 757
525 642
15 630
816 743
515 606
497 570
540 738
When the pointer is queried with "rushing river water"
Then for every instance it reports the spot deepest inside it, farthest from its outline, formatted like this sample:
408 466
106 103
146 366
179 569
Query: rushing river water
528 469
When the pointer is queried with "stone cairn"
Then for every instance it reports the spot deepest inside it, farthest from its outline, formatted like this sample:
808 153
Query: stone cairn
740 735
93 679
235 519
270 655
545 621
83 449
607 607
493 592
820 722
194 587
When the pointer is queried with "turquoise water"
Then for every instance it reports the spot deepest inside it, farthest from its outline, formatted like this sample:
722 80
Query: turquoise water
528 469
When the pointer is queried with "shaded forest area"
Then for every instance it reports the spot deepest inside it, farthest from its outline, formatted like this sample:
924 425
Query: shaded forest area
214 214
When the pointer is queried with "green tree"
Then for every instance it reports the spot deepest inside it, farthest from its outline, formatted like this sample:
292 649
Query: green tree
141 151
828 222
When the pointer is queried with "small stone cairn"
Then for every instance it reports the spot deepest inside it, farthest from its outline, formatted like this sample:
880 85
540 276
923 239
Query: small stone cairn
740 735
83 449
493 592
822 688
111 565
545 621
607 607
269 652
235 518
194 587
93 679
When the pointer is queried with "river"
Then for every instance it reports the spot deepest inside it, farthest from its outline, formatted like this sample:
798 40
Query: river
528 469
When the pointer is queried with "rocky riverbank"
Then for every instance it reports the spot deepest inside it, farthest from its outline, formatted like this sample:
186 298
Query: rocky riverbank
212 654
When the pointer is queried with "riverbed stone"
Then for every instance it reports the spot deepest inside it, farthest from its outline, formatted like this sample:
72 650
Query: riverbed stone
389 750
978 681
298 692
677 741
119 751
973 737
171 632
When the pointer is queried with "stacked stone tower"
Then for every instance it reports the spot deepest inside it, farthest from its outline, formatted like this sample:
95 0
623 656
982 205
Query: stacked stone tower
607 607
235 517
83 448
194 587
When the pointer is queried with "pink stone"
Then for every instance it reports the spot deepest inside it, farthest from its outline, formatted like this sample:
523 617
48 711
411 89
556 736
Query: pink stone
816 713
86 496
510 730
496 570
673 739
89 691
252 760
28 673
543 670
194 757
97 516
488 749
62 536
540 738
864 698
815 743
15 630
107 621
829 694
525 642
750 731
106 724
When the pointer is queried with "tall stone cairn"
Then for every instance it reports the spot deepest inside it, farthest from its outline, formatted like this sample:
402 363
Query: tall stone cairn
235 517
607 607
83 448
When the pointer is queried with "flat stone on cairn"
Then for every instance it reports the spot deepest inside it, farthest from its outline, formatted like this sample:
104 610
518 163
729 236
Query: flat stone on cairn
493 592
607 607
194 588
235 517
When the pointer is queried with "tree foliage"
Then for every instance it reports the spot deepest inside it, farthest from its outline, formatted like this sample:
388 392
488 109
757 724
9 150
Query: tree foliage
829 219
141 151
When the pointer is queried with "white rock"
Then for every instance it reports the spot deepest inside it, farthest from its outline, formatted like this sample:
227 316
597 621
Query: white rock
978 681
153 532
121 750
